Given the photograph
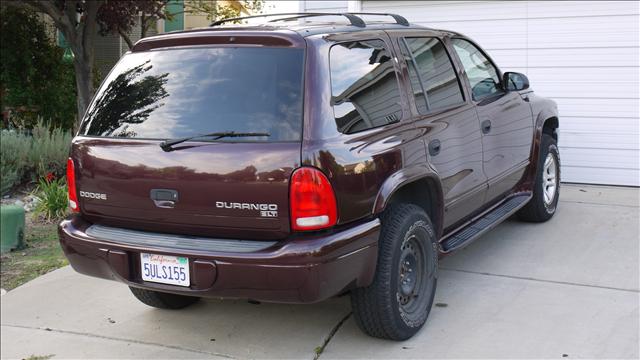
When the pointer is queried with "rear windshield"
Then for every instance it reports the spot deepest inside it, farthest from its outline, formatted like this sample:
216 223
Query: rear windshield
178 93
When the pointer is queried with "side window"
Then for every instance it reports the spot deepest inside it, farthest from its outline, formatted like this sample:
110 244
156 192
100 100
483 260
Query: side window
483 76
364 86
433 79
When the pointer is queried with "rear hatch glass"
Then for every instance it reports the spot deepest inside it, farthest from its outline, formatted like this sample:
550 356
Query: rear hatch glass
230 187
178 93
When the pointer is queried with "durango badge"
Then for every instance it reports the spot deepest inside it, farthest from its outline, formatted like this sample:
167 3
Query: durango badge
266 210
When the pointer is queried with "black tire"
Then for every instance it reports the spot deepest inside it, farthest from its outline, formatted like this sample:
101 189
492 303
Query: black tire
538 209
389 308
162 300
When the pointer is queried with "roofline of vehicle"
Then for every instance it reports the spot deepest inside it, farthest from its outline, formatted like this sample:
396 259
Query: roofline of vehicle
231 36
288 36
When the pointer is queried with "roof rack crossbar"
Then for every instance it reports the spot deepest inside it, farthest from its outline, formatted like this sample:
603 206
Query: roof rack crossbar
400 20
353 19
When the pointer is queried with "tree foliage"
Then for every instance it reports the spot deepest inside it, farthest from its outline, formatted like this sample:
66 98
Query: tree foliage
217 10
120 17
33 78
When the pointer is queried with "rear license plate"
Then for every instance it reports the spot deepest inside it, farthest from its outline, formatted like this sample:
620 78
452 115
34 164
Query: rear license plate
165 269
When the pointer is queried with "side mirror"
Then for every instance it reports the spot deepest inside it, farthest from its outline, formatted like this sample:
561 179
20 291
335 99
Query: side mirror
514 81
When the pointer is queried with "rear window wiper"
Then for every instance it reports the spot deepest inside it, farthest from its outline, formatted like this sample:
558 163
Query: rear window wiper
168 144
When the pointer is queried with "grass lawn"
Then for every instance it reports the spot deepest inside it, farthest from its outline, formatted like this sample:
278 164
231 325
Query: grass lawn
41 255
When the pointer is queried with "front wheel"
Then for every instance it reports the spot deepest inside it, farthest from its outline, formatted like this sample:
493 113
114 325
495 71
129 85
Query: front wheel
162 300
546 190
396 305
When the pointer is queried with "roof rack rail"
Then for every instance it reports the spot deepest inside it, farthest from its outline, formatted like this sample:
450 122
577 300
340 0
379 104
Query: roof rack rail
353 19
400 20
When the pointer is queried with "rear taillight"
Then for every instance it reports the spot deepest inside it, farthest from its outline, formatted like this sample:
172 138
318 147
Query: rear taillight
71 185
313 203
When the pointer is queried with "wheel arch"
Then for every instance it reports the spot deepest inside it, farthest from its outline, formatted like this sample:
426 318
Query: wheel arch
418 185
550 126
546 122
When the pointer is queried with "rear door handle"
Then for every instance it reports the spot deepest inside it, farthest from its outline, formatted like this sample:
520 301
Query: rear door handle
486 126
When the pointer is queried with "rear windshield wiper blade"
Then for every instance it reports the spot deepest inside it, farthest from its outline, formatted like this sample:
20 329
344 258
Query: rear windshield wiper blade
168 144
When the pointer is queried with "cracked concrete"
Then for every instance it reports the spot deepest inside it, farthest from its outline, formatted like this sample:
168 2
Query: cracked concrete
568 287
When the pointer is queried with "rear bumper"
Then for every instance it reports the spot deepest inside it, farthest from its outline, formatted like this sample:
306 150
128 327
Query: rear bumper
303 269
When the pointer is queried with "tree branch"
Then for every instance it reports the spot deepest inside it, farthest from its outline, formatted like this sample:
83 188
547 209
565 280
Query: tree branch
126 38
62 22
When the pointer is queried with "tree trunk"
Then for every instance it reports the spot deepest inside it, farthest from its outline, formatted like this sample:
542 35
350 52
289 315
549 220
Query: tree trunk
84 85
84 56
143 26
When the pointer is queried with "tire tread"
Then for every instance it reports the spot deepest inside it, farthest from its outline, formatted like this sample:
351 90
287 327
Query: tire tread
372 306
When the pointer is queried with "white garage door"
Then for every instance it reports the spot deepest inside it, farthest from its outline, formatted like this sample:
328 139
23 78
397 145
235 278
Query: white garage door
584 55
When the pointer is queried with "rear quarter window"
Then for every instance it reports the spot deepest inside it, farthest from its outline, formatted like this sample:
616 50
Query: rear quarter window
183 92
364 86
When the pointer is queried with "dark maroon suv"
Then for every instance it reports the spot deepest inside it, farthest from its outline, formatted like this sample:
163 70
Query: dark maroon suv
307 157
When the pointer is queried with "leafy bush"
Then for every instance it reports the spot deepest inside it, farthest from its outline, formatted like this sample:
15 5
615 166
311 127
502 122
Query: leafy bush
8 179
52 198
27 157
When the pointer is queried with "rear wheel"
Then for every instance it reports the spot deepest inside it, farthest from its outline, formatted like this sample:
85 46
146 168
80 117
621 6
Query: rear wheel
546 190
396 305
162 300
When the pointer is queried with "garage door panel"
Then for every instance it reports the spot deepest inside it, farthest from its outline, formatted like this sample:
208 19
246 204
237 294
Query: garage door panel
601 108
566 58
436 13
326 6
594 82
556 90
595 140
585 175
576 57
583 32
620 75
605 158
595 126
509 58
560 9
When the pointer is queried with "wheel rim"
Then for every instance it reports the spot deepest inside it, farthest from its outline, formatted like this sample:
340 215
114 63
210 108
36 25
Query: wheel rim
549 179
415 272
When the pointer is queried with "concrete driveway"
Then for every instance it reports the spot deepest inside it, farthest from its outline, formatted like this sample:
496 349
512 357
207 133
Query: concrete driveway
567 288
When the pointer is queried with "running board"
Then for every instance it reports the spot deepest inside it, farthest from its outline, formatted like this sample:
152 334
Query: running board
484 223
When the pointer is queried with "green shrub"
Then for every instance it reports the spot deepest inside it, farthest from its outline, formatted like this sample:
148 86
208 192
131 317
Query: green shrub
49 151
52 199
25 158
14 152
8 179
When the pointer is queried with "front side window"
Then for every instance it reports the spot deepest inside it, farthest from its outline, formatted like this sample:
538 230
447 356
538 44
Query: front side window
364 86
185 92
433 79
483 76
